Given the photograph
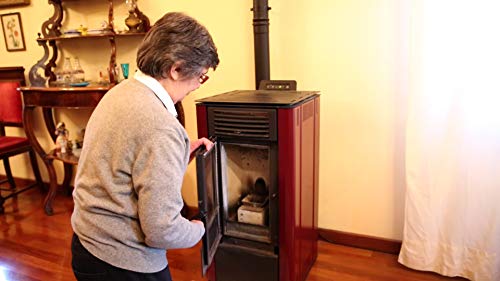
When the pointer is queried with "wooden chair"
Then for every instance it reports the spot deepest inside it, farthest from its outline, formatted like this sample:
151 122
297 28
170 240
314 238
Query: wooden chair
11 78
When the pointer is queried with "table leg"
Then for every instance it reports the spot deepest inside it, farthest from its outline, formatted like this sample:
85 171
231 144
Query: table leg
52 187
28 113
48 118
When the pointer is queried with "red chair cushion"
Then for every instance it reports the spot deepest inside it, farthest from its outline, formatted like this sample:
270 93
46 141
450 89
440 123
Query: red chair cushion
11 105
12 143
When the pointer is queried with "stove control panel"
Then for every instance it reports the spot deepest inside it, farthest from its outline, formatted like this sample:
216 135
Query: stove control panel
278 85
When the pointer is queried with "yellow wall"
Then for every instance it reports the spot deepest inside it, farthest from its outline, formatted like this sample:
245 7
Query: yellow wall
351 51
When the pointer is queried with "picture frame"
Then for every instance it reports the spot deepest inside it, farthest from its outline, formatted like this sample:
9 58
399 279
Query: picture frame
13 32
7 3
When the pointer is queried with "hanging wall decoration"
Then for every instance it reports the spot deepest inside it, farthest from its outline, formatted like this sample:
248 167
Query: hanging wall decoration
13 32
6 3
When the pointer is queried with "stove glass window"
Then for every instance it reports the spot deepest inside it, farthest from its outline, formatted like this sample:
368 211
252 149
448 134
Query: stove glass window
245 175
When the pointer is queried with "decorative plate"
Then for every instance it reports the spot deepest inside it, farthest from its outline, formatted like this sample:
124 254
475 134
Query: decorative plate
80 84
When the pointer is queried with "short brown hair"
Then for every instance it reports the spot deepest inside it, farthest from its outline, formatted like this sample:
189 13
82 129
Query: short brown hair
177 37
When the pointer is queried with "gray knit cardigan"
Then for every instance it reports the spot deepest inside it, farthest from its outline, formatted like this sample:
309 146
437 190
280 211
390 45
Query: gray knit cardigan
128 183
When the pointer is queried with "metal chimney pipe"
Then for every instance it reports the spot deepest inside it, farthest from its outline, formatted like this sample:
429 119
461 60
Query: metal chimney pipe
261 40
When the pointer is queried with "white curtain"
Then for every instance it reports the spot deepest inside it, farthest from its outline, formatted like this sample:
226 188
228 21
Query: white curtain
452 212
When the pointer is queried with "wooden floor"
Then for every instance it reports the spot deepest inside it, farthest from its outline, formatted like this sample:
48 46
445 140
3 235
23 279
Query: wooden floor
34 246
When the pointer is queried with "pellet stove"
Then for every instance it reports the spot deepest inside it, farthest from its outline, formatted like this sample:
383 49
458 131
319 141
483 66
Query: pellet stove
258 186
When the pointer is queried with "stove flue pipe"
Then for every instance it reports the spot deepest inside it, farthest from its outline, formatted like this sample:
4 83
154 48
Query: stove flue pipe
261 40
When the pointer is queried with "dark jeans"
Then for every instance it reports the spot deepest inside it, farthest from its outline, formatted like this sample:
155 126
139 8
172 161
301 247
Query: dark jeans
86 267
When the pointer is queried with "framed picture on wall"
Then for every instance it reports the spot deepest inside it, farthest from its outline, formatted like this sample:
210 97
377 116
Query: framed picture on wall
6 3
13 32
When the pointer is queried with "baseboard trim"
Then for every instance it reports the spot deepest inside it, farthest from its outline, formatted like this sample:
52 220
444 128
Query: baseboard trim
360 241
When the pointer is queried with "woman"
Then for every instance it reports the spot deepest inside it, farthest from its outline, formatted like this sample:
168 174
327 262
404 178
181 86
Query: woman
128 184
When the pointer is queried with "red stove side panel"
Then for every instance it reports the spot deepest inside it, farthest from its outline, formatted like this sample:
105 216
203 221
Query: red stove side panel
288 183
316 175
308 225
201 121
298 140
298 253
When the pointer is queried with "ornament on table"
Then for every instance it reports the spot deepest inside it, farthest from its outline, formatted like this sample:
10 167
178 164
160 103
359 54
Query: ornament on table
62 138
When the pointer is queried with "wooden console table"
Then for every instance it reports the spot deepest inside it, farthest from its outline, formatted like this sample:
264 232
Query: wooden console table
49 98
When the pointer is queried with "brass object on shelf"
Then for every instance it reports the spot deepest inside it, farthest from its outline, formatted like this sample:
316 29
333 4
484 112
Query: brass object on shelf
133 23
136 20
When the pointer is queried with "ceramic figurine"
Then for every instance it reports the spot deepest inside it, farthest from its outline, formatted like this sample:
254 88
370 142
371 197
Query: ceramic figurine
62 137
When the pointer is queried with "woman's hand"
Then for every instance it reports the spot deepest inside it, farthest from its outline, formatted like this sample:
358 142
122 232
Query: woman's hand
198 222
197 143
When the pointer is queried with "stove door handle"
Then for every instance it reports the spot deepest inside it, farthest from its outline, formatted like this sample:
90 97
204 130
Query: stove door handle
202 149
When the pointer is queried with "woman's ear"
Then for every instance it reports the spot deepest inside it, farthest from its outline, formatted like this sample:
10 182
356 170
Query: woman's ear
175 71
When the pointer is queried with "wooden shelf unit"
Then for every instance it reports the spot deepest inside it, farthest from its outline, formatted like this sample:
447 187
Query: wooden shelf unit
51 33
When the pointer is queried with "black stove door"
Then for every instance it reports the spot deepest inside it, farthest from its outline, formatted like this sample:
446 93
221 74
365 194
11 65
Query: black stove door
208 203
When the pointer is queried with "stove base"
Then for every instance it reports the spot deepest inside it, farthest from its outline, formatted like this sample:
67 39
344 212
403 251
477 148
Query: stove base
242 263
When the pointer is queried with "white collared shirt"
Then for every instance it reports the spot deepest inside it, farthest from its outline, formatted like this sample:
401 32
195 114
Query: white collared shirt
158 89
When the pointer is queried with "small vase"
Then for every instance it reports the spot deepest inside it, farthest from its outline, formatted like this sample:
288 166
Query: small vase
133 22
